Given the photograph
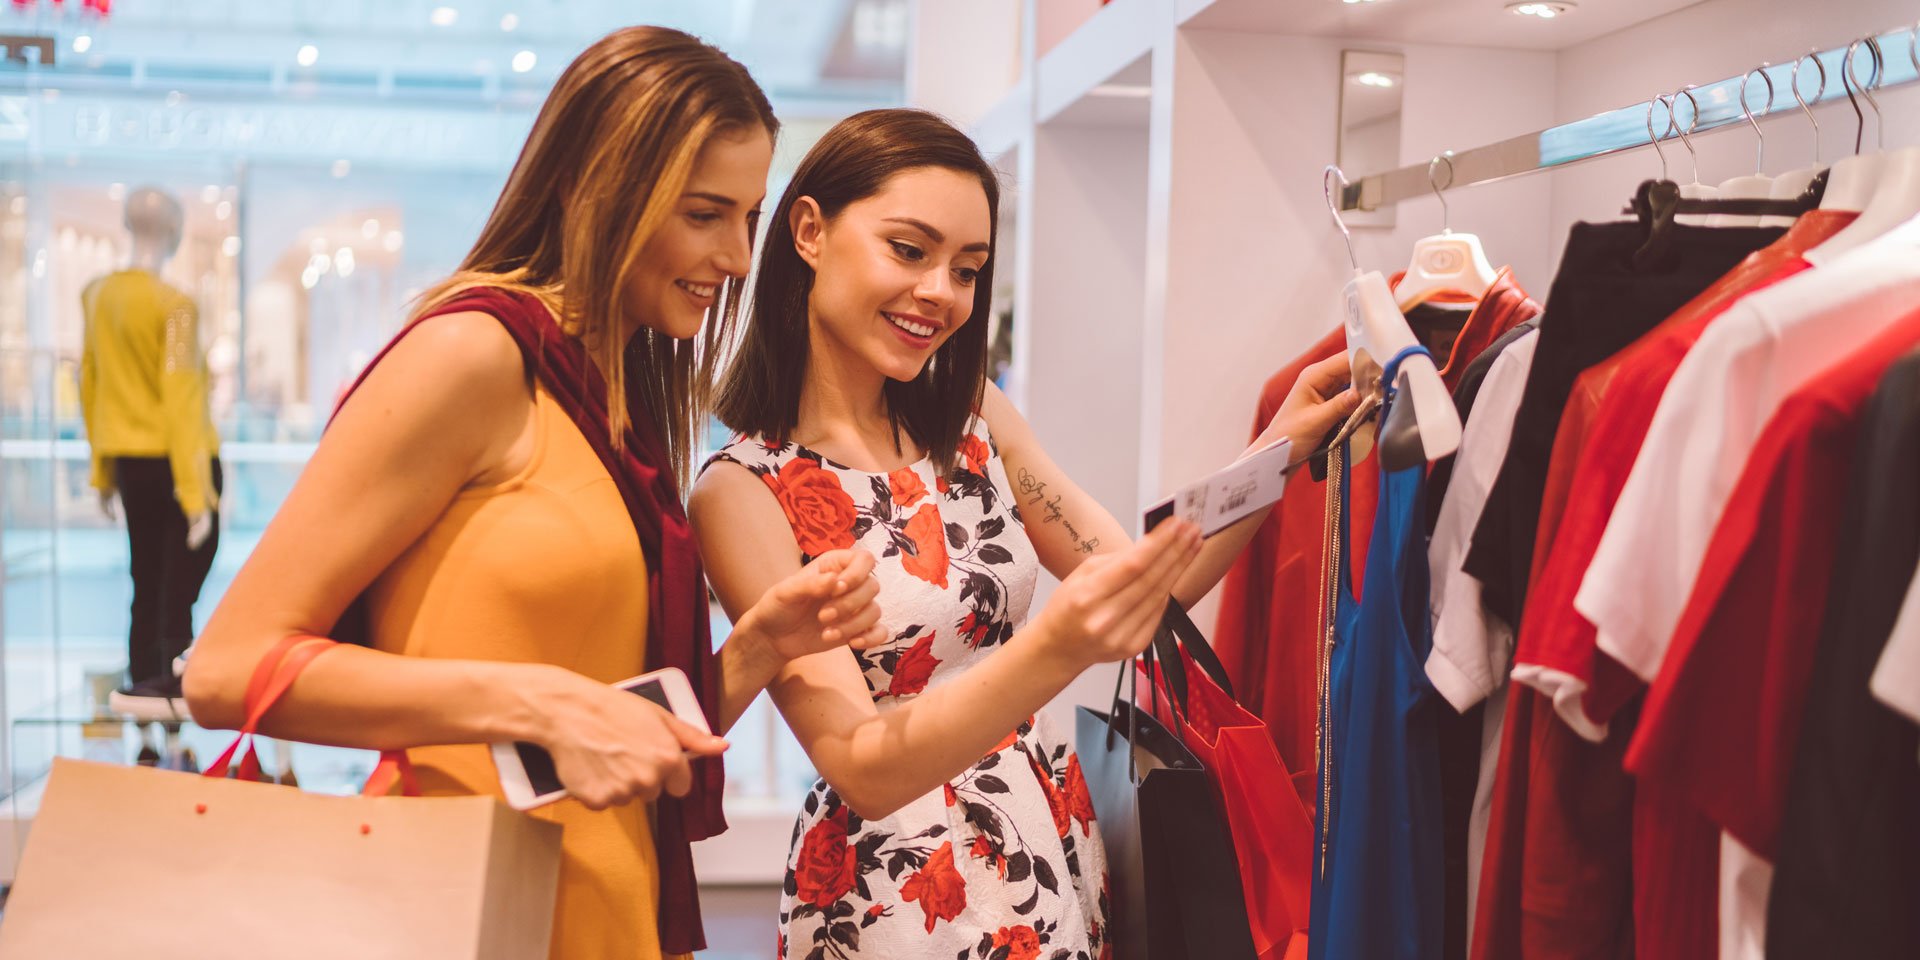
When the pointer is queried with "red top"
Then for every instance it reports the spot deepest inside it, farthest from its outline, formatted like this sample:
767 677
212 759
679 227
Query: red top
1600 434
1578 862
1722 719
1266 632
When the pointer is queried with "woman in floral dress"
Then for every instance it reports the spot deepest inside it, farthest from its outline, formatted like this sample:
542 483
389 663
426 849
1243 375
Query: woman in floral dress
949 820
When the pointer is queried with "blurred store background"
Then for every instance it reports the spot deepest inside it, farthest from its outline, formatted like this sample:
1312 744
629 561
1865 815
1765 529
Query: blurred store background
334 157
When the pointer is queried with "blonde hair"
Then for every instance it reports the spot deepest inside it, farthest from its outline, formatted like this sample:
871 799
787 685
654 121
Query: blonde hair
605 163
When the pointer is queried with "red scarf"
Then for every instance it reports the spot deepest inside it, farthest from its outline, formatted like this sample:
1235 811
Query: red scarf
677 627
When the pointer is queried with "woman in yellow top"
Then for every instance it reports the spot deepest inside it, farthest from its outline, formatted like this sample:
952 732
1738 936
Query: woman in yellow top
465 489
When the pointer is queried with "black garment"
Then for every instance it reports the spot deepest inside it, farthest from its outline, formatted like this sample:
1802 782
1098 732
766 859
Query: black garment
1600 303
166 575
1464 394
1847 883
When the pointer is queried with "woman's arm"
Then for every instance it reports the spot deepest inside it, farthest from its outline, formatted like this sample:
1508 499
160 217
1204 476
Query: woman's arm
449 407
879 760
828 604
1066 525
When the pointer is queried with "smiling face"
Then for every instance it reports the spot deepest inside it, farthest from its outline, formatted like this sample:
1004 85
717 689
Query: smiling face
895 273
707 239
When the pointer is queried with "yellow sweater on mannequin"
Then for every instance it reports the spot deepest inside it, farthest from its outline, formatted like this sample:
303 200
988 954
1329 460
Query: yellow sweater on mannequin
143 383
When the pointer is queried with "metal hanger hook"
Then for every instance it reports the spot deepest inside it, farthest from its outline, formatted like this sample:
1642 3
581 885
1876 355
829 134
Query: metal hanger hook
1654 138
1913 55
1760 139
1852 85
1326 186
1446 215
1693 123
1802 101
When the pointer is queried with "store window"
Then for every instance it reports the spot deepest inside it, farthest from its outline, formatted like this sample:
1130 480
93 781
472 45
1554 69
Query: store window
323 190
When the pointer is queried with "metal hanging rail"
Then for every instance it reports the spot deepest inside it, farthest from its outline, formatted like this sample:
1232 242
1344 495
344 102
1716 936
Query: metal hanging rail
1617 131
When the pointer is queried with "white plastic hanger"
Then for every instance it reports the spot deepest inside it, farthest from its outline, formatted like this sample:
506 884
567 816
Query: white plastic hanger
1447 260
1377 332
1757 185
1895 195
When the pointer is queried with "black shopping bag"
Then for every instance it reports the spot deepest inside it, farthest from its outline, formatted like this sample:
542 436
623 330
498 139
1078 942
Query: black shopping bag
1176 882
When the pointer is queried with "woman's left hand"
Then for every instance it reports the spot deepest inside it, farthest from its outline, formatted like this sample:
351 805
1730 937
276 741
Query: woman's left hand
829 603
1320 399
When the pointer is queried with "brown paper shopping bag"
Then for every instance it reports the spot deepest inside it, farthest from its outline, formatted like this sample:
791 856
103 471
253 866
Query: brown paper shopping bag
131 861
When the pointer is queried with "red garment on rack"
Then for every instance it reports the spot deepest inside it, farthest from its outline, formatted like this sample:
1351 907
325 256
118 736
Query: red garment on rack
1266 631
1606 421
1647 863
1721 721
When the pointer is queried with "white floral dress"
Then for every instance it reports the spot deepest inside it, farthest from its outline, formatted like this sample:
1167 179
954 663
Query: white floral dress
1004 862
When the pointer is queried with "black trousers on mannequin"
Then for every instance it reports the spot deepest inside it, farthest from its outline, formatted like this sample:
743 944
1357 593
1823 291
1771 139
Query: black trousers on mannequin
166 575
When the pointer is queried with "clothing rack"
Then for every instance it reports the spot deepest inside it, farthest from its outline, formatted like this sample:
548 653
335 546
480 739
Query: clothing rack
1616 131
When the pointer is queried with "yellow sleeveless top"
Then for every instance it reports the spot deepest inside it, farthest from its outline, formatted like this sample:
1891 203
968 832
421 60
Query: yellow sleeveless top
544 567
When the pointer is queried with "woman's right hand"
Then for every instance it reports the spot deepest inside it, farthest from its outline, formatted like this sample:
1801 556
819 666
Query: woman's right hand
611 747
1109 607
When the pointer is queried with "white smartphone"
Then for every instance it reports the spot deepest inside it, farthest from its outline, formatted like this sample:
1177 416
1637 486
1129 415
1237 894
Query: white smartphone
527 776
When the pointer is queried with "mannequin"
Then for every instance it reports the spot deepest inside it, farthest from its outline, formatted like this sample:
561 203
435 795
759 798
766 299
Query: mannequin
143 388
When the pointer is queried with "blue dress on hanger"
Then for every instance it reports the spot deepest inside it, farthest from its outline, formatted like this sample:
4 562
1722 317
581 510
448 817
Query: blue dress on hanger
1378 882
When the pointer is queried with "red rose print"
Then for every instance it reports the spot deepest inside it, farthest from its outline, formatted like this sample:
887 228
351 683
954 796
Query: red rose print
974 628
820 511
929 538
1056 803
906 486
940 484
828 867
1079 801
983 849
877 911
952 797
910 675
1021 941
938 887
976 452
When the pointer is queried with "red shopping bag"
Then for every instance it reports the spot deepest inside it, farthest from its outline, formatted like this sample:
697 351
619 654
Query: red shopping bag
1272 829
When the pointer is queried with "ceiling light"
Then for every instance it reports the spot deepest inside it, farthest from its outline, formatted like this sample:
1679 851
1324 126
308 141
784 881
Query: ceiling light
1135 91
210 193
223 210
1375 78
510 22
393 241
308 55
370 229
82 43
1352 3
1544 9
444 16
116 192
341 168
230 246
524 61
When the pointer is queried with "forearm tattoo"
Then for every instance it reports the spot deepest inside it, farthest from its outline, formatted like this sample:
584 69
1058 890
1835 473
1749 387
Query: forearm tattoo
1033 491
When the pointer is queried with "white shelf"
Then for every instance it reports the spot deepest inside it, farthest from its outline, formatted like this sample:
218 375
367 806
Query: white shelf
1111 41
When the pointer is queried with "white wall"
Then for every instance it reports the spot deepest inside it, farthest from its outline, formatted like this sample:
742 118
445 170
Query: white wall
1697 45
963 56
1252 263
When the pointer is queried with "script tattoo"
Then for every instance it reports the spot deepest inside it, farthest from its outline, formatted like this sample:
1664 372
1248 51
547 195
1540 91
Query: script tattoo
1035 491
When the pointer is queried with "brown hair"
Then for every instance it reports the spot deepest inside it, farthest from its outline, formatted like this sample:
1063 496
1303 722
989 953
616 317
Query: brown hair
608 157
760 392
